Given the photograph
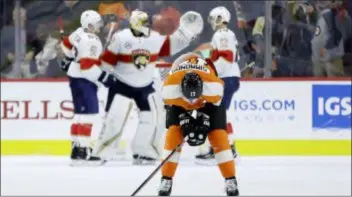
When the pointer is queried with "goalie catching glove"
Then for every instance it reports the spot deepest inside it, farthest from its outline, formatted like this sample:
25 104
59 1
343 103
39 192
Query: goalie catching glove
196 129
191 25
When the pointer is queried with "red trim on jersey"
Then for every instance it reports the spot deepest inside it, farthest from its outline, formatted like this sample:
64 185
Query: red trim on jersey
109 57
85 130
229 128
166 48
67 43
226 54
127 58
87 63
74 129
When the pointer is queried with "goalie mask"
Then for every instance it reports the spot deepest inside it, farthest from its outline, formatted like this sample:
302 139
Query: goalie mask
192 86
140 23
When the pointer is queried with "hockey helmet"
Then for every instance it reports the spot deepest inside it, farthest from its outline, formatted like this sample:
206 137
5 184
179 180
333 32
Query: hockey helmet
92 21
192 86
218 15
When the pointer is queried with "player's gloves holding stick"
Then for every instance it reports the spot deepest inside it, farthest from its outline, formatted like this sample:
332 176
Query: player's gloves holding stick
108 80
195 128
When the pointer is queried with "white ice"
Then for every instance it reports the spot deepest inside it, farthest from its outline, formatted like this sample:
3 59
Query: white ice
256 176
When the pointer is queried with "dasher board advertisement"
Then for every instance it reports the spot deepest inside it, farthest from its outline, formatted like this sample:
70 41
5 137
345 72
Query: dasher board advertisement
270 112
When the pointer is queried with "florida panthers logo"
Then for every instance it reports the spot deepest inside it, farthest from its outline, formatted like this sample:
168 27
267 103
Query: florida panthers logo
141 58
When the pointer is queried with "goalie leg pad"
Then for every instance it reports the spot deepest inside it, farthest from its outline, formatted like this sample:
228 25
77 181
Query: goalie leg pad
114 122
161 121
148 137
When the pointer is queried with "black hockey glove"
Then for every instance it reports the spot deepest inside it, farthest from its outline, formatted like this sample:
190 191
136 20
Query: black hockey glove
65 63
108 80
196 129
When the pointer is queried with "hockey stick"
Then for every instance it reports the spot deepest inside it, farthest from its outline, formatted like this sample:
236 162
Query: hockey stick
108 38
159 166
247 66
61 27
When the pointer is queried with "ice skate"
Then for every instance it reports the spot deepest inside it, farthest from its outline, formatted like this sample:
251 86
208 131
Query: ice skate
75 156
165 186
143 160
231 187
82 156
207 158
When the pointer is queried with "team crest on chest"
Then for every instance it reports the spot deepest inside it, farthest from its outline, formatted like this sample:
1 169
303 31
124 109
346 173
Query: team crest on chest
140 58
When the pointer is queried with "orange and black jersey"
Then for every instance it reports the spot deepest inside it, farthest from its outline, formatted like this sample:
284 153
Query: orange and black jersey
213 86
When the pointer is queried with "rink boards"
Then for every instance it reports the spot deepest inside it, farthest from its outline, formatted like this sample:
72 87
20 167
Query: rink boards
270 117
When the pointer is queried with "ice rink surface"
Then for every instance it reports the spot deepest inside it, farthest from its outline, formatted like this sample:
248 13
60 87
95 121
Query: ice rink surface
256 176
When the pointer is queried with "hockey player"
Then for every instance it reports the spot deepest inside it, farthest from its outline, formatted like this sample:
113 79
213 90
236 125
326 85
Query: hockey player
133 53
193 94
82 50
225 56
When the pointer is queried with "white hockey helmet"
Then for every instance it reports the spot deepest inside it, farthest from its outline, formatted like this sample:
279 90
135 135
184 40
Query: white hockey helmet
92 21
218 15
139 21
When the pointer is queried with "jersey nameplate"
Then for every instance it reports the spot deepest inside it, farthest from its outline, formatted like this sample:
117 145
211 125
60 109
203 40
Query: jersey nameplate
194 64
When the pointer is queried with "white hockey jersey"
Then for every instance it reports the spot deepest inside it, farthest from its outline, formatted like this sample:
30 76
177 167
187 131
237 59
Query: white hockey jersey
134 58
85 48
225 53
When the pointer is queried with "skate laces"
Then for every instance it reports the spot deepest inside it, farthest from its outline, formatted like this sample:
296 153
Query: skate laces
165 185
231 185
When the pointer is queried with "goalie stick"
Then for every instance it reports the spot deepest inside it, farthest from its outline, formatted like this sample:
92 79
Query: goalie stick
159 167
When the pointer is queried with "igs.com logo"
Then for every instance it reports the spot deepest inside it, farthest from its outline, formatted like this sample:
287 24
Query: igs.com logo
331 106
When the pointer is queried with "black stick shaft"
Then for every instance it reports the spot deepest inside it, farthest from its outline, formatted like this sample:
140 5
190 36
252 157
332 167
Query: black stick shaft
156 170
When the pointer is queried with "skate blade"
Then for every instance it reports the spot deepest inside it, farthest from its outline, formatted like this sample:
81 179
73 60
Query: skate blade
75 163
143 163
118 158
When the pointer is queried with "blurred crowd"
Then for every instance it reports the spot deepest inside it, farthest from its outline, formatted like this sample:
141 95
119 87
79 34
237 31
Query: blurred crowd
309 38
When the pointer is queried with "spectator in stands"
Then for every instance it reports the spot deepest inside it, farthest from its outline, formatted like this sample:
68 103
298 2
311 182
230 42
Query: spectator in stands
328 53
166 21
8 56
115 16
294 51
347 59
44 63
47 12
114 8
